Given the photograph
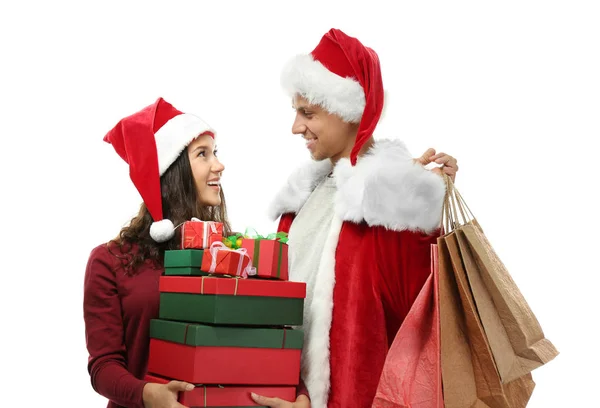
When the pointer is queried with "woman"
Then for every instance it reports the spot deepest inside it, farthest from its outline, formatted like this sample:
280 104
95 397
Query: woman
173 164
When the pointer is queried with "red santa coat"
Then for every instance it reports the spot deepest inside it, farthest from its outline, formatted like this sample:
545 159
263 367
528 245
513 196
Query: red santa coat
375 261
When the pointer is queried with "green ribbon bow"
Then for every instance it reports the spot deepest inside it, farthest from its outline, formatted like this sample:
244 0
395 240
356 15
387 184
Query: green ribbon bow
250 233
231 241
279 236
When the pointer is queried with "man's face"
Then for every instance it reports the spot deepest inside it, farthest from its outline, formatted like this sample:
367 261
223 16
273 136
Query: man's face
327 135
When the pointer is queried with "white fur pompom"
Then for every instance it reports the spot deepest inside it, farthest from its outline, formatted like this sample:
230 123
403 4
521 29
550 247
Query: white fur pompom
162 231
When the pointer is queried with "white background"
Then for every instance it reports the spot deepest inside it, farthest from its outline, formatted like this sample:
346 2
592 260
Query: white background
510 88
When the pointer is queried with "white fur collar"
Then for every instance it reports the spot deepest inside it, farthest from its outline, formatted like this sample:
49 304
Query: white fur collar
385 188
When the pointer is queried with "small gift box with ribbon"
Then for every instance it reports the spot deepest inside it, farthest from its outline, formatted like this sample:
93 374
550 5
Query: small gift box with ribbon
198 234
220 260
269 254
225 301
214 396
204 354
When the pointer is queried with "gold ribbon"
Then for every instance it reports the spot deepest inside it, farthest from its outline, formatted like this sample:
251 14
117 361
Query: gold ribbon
235 290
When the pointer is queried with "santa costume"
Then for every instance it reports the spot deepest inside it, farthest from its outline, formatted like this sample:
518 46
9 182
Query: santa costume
359 232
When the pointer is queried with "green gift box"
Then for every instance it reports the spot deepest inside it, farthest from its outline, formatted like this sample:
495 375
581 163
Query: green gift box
184 258
184 262
230 301
220 336
185 272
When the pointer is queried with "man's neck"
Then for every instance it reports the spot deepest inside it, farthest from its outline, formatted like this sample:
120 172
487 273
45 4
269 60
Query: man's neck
346 154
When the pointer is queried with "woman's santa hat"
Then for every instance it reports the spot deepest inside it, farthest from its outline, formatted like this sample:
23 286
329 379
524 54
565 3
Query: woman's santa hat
344 77
150 141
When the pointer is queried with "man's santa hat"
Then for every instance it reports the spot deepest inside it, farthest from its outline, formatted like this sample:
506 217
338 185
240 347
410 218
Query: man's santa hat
344 77
150 141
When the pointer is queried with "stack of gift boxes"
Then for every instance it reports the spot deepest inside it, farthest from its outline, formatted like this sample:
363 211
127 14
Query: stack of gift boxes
224 319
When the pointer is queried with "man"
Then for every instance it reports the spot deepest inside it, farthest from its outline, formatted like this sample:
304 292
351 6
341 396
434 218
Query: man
361 217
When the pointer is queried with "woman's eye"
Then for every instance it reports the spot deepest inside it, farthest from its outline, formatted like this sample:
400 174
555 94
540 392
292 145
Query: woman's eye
202 153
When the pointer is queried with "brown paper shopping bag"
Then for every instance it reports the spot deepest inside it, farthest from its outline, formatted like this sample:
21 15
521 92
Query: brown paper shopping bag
469 374
515 336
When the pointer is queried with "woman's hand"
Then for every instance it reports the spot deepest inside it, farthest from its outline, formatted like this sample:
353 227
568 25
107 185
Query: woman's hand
164 395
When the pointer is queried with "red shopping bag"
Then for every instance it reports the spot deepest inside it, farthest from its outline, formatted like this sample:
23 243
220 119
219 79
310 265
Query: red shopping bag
411 376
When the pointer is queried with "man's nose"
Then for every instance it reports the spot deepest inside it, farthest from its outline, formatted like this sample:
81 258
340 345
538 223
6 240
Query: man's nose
298 127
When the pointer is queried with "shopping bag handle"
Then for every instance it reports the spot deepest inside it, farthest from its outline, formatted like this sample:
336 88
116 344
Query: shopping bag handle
455 211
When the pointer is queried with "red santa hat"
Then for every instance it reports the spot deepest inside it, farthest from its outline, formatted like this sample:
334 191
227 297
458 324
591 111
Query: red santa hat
150 141
344 77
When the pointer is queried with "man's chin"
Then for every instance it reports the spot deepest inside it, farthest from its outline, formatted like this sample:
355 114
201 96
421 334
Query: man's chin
318 157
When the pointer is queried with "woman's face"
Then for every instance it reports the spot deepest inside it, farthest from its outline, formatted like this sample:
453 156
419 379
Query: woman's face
206 169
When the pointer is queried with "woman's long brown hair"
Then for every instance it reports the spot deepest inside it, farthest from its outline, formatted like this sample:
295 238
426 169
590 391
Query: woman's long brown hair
180 203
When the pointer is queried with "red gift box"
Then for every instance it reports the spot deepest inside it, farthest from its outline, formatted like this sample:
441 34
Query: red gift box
200 234
224 365
221 260
269 257
230 396
206 285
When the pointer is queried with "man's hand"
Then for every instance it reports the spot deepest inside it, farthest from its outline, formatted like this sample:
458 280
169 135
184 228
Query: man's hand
449 163
301 402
